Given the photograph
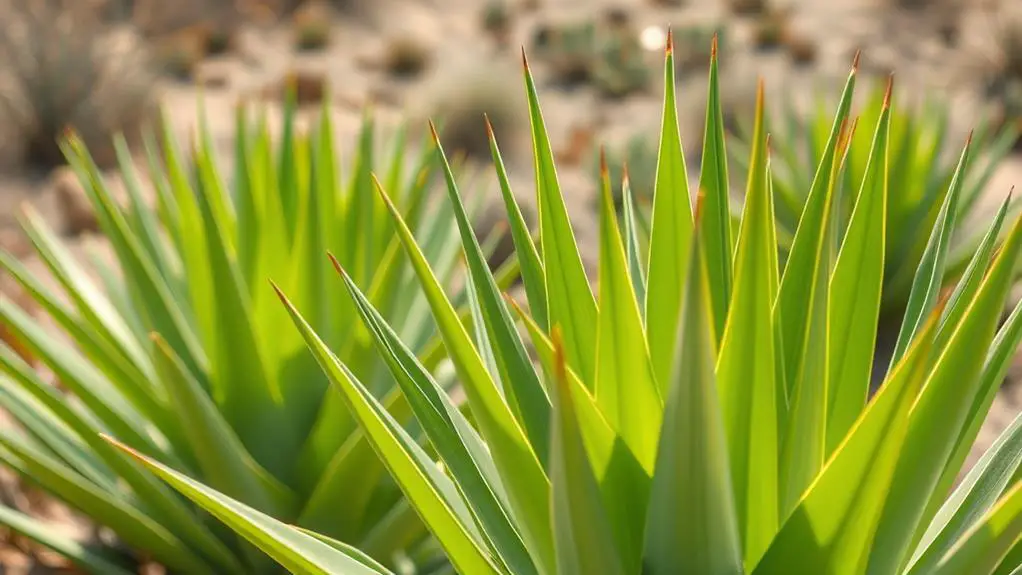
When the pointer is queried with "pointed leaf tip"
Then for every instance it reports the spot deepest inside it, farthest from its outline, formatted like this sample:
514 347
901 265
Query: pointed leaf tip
855 61
713 48
887 92
433 132
604 171
489 126
279 292
337 264
669 47
379 189
525 60
123 447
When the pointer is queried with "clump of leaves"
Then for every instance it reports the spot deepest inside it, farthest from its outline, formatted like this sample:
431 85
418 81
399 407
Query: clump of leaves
569 50
62 68
496 20
606 55
184 353
621 68
705 411
922 167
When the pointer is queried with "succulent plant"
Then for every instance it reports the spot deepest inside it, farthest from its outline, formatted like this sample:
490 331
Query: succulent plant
183 352
219 40
801 49
497 20
571 51
693 46
707 414
312 25
620 68
771 28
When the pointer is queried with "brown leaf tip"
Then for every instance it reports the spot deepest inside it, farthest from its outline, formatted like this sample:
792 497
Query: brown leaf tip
888 91
625 179
968 141
489 126
669 47
433 132
697 216
278 291
336 264
525 60
855 61
604 171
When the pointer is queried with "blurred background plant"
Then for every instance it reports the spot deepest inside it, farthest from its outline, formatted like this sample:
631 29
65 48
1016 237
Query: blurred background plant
184 352
61 68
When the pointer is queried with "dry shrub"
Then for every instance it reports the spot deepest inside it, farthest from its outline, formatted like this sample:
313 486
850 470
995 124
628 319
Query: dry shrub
61 68
311 25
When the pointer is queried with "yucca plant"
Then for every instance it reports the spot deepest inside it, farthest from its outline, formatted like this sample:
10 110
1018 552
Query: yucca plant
921 165
185 353
708 417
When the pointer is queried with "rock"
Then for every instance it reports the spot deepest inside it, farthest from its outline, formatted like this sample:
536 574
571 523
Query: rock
76 210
